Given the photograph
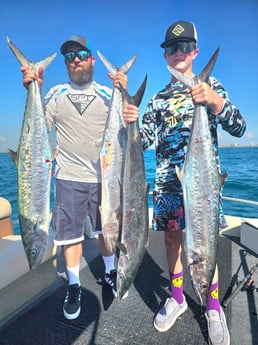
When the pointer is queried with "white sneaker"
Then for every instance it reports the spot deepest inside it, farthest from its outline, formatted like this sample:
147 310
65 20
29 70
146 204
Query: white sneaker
168 314
217 328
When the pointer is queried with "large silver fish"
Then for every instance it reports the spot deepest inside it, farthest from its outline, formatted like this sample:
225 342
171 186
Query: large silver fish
135 220
201 181
112 160
34 163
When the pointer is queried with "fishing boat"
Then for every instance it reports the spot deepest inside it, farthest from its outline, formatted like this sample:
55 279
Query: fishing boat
31 302
20 287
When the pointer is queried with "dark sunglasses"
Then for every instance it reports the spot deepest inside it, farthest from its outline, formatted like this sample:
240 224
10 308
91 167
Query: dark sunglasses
81 54
184 46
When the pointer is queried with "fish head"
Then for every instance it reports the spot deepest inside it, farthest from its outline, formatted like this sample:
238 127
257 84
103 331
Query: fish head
200 281
123 276
35 248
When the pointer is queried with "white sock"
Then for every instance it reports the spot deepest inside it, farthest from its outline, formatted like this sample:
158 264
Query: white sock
109 262
73 275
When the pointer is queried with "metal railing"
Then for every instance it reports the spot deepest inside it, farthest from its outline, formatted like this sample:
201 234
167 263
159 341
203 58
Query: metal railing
240 200
243 201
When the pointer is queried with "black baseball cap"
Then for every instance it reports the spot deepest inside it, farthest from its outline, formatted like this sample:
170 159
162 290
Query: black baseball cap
75 39
180 31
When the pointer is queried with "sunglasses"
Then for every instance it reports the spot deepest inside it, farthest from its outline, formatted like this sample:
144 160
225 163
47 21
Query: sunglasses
81 54
184 46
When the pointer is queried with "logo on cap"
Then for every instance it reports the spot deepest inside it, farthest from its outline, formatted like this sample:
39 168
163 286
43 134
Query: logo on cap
73 38
178 30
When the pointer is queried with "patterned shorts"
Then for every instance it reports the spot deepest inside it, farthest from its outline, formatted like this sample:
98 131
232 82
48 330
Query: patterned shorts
168 212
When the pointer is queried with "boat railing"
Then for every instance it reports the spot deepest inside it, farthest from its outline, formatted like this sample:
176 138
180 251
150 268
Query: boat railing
243 201
250 202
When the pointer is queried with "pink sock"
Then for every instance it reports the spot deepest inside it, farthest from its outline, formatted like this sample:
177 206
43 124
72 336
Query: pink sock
213 298
176 281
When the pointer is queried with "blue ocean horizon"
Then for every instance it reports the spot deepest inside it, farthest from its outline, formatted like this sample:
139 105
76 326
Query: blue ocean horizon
239 162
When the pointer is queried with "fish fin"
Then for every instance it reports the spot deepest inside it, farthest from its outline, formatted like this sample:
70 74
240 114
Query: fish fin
189 82
112 69
14 155
223 178
126 67
122 247
179 173
137 98
24 61
203 76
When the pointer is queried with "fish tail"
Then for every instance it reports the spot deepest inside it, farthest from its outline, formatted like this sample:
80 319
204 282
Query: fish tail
24 61
203 76
205 73
112 69
137 98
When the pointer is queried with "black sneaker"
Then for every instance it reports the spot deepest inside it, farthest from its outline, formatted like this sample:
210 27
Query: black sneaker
110 279
72 303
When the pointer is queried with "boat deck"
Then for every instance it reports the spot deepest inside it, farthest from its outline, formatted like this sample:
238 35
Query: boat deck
106 320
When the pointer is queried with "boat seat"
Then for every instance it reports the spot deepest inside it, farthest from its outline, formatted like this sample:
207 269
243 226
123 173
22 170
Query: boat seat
13 261
21 288
6 226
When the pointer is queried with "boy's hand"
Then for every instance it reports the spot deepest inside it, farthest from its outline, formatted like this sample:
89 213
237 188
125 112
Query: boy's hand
202 93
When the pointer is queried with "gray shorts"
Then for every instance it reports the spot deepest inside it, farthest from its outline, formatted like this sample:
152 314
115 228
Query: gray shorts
73 202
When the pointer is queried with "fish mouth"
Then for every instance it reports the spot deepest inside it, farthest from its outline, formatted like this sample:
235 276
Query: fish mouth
196 259
35 258
201 289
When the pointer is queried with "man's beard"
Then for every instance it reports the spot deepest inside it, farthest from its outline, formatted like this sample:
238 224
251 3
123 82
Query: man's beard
81 77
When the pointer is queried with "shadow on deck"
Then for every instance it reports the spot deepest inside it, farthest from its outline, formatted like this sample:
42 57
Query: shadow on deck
106 320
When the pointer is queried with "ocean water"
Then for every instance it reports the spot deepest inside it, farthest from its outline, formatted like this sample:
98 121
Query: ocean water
240 163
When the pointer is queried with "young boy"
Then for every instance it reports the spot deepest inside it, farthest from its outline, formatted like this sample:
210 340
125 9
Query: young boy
167 123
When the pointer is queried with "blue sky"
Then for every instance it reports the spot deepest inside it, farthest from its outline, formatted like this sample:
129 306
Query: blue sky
121 29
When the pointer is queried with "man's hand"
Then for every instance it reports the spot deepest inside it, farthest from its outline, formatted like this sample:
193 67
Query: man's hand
29 76
119 78
130 113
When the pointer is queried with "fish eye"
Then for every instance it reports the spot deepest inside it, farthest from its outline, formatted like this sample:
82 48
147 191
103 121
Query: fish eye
204 285
33 252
